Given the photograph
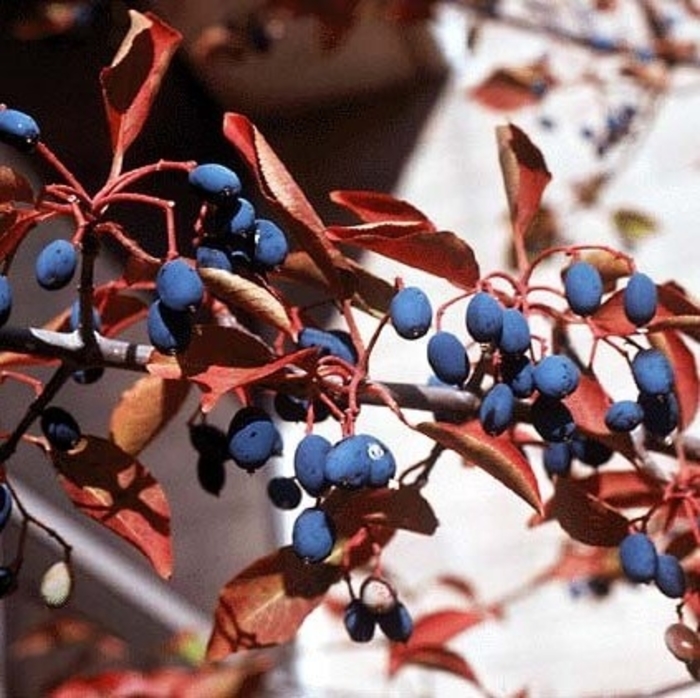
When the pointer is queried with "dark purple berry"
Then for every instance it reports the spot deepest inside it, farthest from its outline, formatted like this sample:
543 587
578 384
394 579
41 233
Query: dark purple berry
552 419
396 624
359 621
661 413
5 505
284 492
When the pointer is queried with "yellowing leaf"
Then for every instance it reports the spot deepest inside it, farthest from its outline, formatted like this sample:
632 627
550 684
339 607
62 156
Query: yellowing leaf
632 225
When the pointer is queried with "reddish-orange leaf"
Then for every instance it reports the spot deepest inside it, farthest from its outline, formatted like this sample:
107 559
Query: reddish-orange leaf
577 560
108 485
624 489
377 207
584 517
289 202
441 626
144 410
416 244
431 657
525 176
14 186
131 82
508 89
678 306
267 602
497 455
687 384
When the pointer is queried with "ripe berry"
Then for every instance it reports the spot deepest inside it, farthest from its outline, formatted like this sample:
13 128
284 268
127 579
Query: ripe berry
517 371
638 557
252 438
309 463
652 372
515 333
169 331
624 415
271 246
411 312
284 492
556 376
661 413
552 419
496 409
56 264
74 319
590 451
484 317
215 183
359 460
583 288
329 342
556 458
60 428
242 219
5 505
18 130
8 581
447 358
211 257
178 285
640 299
313 535
670 576
359 621
397 623
5 299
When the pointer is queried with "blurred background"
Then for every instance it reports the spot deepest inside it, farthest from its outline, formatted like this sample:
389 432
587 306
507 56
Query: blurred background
354 96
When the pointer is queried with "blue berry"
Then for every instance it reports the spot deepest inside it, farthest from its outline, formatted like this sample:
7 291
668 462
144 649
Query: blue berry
56 264
215 183
590 451
447 358
5 505
624 415
652 372
515 333
74 319
518 372
271 246
178 285
583 288
8 581
169 331
335 343
661 413
310 462
497 409
5 299
313 535
638 557
253 438
359 460
640 299
396 623
556 376
411 312
60 428
242 219
484 317
284 492
18 130
556 458
359 621
670 576
209 256
552 419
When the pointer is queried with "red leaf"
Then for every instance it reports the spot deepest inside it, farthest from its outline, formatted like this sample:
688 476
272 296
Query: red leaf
417 245
14 226
131 82
376 207
508 89
289 202
439 627
628 489
525 176
110 486
266 603
584 517
674 302
577 560
432 657
497 455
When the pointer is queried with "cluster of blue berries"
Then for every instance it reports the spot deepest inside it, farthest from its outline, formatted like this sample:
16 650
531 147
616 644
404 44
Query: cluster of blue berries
642 564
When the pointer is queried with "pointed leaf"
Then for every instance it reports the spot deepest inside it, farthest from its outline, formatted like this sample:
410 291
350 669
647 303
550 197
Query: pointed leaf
248 296
144 410
633 225
507 89
439 627
289 202
267 602
416 244
525 176
131 82
431 657
113 488
497 455
376 207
